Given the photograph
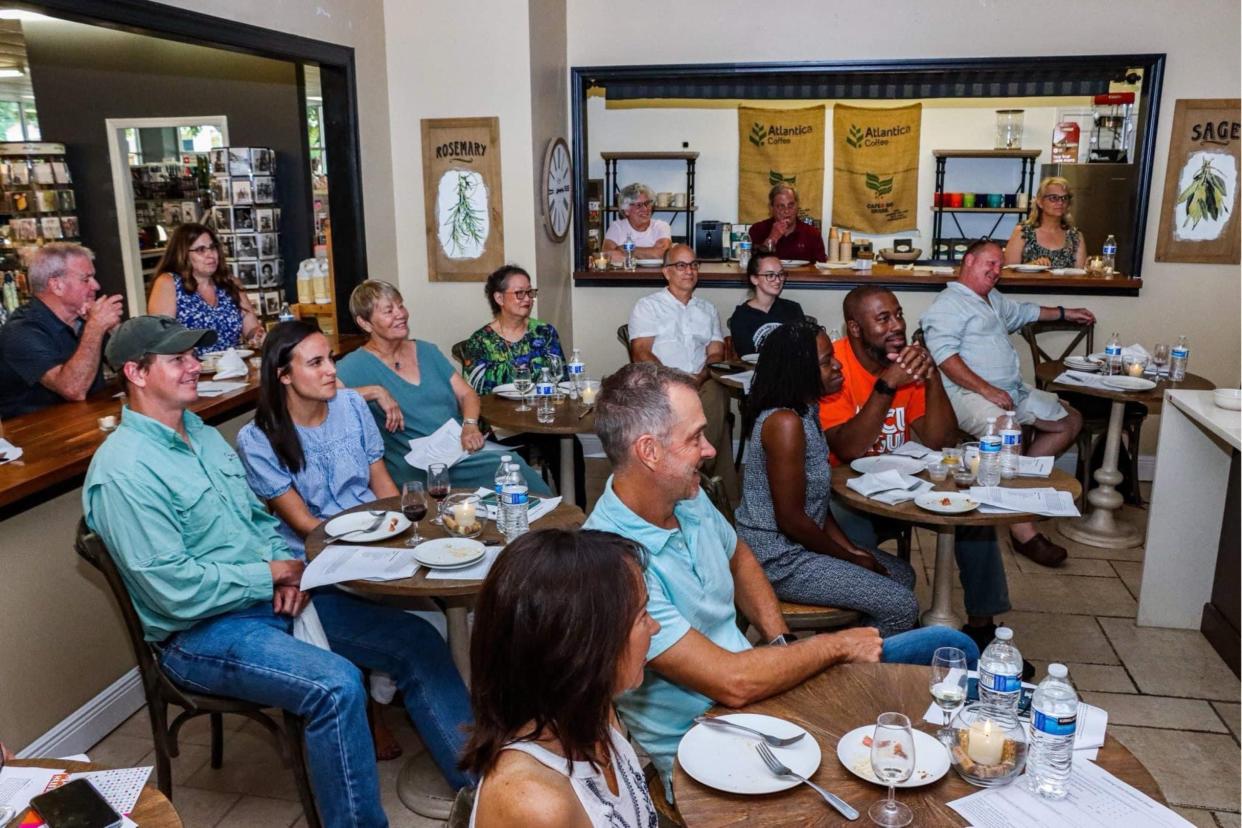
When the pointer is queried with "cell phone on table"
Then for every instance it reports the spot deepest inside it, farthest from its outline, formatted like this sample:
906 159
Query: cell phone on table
75 804
1024 698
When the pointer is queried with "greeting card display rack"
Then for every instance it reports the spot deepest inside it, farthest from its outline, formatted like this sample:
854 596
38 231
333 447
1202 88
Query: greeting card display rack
37 202
246 216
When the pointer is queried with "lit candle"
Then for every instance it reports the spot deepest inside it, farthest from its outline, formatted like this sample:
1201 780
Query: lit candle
986 743
588 394
464 512
1135 368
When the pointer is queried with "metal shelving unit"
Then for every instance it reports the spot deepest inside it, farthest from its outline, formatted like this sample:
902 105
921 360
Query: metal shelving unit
612 188
1026 184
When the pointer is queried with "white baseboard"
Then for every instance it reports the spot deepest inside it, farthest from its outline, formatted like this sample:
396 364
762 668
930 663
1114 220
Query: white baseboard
94 720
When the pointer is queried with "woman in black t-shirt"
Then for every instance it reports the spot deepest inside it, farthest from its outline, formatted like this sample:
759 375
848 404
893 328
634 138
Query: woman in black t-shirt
765 309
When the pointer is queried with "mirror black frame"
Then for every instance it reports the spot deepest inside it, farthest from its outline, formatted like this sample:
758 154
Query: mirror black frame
891 74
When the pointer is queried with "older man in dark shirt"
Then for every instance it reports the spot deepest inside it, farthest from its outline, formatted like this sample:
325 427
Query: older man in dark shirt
50 350
783 234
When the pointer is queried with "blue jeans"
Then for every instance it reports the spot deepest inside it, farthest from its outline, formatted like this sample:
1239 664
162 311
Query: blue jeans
918 646
250 654
979 564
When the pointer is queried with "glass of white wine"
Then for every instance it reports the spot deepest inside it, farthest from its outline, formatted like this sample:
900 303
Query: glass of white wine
523 384
892 761
948 683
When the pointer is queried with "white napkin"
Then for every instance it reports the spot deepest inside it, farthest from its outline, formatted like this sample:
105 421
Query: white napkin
441 446
231 365
212 388
891 487
1082 378
911 449
1135 350
307 627
10 451
474 572
546 505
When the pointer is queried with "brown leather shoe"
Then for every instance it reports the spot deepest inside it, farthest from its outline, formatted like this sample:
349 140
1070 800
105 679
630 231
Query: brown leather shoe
1041 550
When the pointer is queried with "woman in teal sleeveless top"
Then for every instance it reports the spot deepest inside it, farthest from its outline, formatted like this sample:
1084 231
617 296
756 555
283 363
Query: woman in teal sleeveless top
425 386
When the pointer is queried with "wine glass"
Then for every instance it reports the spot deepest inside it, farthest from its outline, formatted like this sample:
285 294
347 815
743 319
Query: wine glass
556 367
892 761
948 682
414 507
523 384
1160 357
438 488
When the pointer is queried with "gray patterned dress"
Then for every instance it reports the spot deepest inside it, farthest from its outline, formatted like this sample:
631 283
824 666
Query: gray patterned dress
806 577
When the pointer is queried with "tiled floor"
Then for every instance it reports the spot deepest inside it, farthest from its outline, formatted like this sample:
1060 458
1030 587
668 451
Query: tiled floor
1170 698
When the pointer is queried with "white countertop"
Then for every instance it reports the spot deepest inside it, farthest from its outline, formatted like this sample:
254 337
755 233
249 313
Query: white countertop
1198 406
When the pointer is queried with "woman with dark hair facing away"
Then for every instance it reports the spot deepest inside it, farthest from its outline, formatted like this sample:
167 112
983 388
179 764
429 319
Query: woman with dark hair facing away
312 451
764 310
784 513
515 337
195 287
546 659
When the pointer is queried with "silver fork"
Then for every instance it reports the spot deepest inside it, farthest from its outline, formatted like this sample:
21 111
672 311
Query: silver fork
378 514
774 765
774 741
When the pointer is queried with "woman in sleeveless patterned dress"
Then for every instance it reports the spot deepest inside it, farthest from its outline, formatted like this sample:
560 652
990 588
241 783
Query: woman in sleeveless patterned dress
546 658
1048 235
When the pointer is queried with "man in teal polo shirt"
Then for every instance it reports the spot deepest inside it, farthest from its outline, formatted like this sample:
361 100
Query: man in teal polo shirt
217 589
651 424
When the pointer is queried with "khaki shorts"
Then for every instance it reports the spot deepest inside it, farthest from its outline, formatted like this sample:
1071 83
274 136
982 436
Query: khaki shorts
973 410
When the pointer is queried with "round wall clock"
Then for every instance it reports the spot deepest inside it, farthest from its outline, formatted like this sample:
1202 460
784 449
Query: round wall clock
558 190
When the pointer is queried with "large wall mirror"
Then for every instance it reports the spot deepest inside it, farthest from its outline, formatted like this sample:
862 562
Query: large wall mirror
1090 119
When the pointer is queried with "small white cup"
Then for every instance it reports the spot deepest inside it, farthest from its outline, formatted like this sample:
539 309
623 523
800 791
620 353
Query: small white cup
679 199
108 423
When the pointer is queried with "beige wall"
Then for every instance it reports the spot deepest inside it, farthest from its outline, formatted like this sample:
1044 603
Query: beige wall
1201 301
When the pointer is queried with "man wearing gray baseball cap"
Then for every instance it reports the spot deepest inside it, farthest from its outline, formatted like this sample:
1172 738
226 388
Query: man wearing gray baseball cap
217 588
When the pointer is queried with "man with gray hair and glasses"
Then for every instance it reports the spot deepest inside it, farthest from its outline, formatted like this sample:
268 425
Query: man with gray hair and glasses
51 349
699 574
651 236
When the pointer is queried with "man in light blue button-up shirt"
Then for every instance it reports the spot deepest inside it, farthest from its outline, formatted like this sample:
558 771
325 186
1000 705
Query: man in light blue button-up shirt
967 332
217 589
651 424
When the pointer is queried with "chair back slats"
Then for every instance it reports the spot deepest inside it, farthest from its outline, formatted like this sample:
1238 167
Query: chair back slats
715 489
1082 333
459 352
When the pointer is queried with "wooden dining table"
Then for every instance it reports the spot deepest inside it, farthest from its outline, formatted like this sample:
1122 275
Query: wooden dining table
153 809
1102 526
571 417
830 705
941 611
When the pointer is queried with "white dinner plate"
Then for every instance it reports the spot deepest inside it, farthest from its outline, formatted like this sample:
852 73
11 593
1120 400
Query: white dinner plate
1082 363
1122 383
727 760
1068 271
795 262
1028 268
931 759
507 391
751 359
394 524
946 503
835 265
448 553
884 462
1230 398
649 262
241 352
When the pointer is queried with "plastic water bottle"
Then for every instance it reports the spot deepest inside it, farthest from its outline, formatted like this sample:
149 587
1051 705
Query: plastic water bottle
513 503
545 405
743 251
1110 254
502 472
989 473
1054 719
1000 671
1112 355
576 371
1011 444
628 247
1179 358
286 313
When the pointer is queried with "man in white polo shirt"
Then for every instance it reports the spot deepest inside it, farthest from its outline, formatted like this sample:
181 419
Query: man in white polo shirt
677 329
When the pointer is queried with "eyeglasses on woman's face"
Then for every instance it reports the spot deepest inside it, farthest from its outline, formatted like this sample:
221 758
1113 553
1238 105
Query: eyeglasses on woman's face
641 205
524 293
1058 198
772 275
682 267
203 250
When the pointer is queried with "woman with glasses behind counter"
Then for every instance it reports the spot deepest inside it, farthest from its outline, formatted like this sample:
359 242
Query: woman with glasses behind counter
1048 235
765 310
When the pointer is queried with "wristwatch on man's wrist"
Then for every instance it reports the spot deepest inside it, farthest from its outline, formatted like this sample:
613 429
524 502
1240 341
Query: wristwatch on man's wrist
882 387
474 421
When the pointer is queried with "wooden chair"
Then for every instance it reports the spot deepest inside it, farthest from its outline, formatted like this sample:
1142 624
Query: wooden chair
161 691
666 812
1094 410
459 352
623 336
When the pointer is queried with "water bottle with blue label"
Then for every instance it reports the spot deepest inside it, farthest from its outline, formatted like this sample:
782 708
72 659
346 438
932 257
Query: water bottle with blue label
1054 721
989 473
1000 668
545 404
1110 255
514 498
1112 355
286 313
1011 444
1179 358
577 373
743 252
502 472
628 247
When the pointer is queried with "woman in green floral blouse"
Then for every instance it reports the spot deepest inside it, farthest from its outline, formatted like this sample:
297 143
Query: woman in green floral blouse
514 337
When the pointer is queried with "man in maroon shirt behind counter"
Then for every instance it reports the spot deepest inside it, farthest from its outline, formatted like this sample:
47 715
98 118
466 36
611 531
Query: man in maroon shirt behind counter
783 233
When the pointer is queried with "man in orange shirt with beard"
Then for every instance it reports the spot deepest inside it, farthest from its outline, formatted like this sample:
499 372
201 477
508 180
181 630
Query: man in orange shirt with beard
892 394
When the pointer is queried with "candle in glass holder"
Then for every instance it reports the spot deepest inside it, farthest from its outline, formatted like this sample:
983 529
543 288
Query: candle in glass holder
589 390
464 513
986 742
1135 368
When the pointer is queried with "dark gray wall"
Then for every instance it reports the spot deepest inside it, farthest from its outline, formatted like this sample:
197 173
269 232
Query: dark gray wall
85 74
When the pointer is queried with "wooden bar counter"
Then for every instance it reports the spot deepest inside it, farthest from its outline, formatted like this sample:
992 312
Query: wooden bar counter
729 275
58 442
